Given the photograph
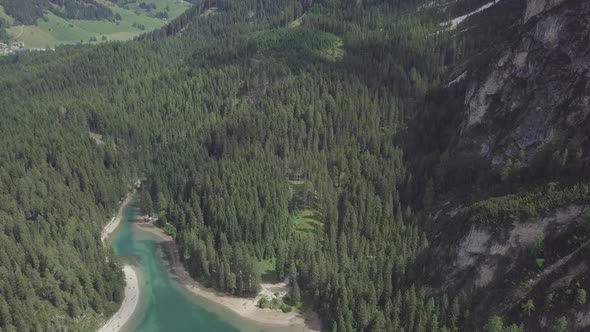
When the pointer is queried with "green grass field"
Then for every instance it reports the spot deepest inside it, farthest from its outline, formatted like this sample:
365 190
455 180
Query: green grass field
298 44
175 7
267 270
56 30
308 221
308 218
297 22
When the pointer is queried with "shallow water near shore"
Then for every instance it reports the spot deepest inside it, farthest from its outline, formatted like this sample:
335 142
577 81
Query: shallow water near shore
164 305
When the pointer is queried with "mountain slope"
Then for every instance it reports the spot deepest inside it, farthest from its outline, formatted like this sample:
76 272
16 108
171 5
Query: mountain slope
515 244
537 91
320 138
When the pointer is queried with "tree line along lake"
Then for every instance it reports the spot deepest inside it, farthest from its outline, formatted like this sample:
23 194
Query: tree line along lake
164 304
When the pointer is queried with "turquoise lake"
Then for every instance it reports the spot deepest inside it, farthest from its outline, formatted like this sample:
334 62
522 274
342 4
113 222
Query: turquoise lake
164 305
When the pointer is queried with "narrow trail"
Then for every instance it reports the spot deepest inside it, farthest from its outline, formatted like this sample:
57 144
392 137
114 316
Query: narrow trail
22 30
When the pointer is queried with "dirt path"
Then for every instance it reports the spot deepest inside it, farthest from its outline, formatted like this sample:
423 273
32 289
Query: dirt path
22 29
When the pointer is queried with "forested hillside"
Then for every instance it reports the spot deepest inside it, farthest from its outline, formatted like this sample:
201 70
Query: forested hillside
27 12
317 135
3 33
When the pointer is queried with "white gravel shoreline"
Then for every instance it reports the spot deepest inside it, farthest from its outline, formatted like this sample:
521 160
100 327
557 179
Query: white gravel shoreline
122 316
131 300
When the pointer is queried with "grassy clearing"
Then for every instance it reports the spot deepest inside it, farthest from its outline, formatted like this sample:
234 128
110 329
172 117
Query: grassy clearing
128 17
335 52
55 30
296 183
209 11
49 33
299 45
308 221
175 8
307 218
297 22
62 29
267 270
33 36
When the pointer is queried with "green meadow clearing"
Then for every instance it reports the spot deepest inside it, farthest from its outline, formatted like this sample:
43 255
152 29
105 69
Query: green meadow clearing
54 30
308 218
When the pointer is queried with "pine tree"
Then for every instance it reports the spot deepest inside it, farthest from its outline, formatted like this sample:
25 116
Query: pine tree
495 324
295 295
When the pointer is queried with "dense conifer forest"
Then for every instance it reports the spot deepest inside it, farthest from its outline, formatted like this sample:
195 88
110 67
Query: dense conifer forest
3 33
313 134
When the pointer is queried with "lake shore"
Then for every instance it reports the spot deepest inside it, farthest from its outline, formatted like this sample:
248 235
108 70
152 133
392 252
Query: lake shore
116 220
130 302
131 299
244 307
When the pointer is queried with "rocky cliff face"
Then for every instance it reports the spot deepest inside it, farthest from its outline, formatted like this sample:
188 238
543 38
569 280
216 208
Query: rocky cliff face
538 89
495 270
527 270
536 7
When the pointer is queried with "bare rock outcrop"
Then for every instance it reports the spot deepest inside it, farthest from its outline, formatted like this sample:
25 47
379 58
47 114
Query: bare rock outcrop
538 89
536 7
486 264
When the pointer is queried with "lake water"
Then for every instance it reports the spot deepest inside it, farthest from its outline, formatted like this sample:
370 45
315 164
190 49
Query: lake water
164 305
